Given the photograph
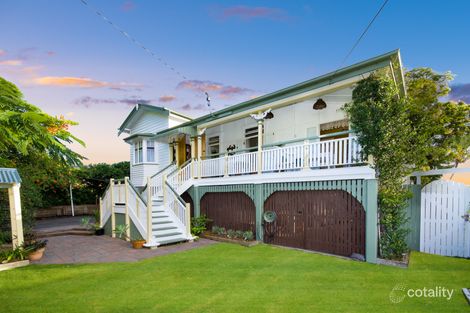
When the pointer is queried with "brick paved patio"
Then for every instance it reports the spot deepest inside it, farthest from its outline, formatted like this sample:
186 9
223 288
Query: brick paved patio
101 249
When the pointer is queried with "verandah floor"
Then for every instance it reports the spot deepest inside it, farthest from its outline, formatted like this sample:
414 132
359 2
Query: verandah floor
231 278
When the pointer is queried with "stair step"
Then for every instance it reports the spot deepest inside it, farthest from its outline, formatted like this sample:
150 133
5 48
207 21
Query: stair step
166 232
161 222
168 226
160 214
170 239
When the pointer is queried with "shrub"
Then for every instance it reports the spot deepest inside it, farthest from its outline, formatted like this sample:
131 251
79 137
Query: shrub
231 234
199 224
219 230
239 234
248 235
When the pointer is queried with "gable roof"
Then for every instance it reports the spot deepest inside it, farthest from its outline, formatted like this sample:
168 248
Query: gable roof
139 107
391 59
9 176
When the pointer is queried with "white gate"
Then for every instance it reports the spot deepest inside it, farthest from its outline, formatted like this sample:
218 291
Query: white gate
444 230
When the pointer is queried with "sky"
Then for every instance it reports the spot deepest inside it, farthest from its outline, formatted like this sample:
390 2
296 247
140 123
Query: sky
69 61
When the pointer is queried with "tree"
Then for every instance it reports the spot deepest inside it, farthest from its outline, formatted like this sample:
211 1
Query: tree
442 130
26 130
403 134
35 143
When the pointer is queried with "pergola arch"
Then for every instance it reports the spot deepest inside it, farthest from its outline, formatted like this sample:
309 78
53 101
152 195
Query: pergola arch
10 179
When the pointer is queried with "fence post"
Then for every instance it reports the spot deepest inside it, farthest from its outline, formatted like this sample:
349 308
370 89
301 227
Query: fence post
113 218
260 146
306 153
101 213
226 165
126 197
149 212
188 220
164 188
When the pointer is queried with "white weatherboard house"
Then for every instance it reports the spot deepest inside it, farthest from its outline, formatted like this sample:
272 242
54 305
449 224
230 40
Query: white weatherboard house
290 153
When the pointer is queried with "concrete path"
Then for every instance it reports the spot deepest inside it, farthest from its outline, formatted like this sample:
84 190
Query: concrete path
59 223
101 249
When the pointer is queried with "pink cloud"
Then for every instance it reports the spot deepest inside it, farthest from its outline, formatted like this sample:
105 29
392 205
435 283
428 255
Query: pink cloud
128 6
249 13
50 53
88 101
2 52
166 98
11 62
83 82
224 91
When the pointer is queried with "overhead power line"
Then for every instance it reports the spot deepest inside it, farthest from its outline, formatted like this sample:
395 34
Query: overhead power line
138 43
364 32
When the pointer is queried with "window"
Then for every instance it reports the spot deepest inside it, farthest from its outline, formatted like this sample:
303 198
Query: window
214 145
150 151
138 153
251 138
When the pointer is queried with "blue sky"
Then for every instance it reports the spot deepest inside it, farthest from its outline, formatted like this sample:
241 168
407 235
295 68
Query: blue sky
69 61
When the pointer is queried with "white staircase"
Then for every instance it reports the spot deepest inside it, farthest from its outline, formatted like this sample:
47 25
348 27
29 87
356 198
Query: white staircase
158 212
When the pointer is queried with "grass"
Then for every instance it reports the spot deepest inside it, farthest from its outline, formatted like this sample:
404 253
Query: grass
231 278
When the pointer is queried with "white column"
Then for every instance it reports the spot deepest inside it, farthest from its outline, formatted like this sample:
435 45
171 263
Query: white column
126 196
199 155
15 215
149 212
260 145
193 156
113 218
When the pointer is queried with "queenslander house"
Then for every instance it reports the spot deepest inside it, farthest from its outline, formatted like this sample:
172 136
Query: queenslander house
290 153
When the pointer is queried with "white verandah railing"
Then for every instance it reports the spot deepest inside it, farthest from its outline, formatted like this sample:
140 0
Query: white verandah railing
314 155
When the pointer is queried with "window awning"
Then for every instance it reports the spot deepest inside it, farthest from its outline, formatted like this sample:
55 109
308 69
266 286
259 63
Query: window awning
9 176
335 125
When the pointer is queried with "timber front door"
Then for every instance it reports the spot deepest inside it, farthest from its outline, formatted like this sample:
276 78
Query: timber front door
330 221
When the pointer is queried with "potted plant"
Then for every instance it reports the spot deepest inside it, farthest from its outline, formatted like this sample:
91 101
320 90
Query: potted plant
99 231
121 232
36 249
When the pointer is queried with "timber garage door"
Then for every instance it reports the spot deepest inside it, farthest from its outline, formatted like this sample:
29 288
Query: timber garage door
232 210
330 221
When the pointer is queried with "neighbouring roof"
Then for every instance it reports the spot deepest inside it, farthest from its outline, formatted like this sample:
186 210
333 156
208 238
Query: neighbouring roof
150 108
9 176
391 59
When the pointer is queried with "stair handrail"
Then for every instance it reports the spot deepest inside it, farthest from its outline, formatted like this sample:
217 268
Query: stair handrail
173 177
185 219
158 173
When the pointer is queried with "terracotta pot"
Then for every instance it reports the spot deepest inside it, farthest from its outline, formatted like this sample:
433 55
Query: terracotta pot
138 244
36 255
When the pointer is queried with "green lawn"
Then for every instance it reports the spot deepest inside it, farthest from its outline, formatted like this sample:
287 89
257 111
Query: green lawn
231 278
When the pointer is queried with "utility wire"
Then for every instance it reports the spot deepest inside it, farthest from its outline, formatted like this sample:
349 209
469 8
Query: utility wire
139 44
363 33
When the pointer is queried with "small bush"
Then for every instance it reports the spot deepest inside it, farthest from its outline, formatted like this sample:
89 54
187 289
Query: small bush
231 234
248 235
199 224
219 230
239 234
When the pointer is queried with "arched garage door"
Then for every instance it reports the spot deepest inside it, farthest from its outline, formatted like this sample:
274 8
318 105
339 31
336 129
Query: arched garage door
330 221
232 210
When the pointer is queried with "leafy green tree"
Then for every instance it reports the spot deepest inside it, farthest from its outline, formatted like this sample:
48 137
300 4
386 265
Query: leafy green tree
403 134
26 130
36 144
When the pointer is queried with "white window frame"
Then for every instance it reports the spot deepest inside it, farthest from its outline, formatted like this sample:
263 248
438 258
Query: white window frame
154 143
138 152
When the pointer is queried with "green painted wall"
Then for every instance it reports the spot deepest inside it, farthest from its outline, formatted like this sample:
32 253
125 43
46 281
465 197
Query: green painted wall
121 219
413 213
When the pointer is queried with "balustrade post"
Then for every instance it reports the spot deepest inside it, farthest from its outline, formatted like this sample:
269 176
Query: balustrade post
164 189
101 213
187 218
226 164
149 212
199 155
260 146
113 218
126 197
306 155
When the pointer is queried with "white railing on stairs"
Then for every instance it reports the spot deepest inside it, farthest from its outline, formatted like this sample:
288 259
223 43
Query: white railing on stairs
179 209
178 178
157 181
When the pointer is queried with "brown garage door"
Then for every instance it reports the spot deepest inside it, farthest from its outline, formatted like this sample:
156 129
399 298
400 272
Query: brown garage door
232 210
331 221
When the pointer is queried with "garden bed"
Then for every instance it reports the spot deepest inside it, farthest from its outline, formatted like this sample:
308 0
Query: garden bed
245 243
12 265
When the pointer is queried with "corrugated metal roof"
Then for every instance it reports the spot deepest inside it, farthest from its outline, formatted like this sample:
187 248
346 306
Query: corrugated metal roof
9 176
